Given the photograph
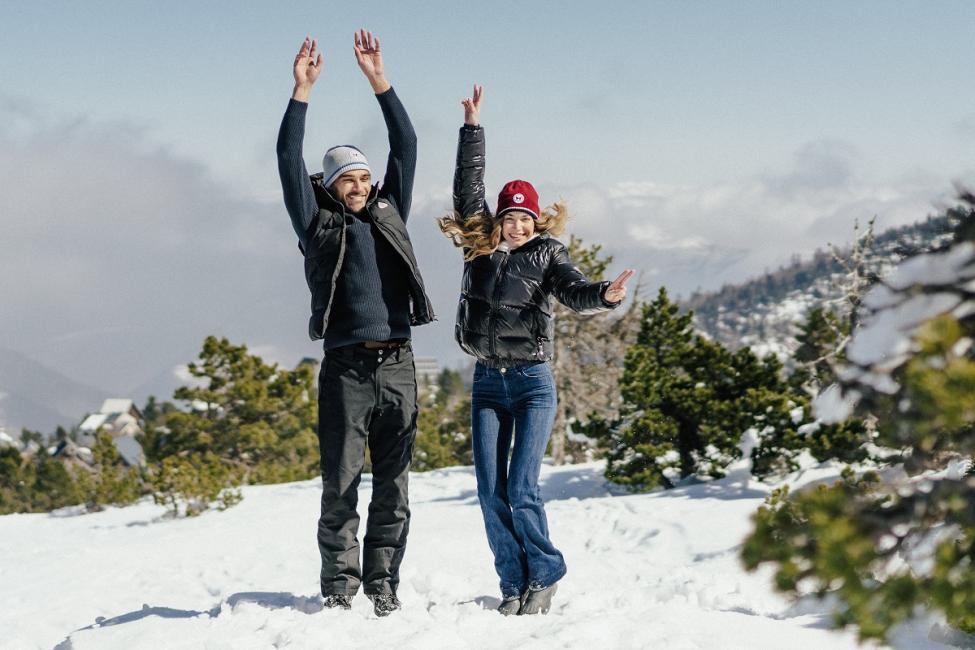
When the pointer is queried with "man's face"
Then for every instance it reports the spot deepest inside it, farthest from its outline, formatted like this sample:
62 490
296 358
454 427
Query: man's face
352 189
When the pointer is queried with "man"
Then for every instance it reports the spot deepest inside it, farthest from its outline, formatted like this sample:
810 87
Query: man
366 293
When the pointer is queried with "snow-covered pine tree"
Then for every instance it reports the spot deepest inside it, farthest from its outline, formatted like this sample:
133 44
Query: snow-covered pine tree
788 429
888 542
821 339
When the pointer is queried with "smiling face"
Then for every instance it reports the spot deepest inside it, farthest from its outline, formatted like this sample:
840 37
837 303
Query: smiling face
352 189
517 228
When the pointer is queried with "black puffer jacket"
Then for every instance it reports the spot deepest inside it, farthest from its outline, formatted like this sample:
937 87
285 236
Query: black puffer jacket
505 313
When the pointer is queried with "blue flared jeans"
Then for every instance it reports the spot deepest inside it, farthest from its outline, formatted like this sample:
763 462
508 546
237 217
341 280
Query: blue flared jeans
514 405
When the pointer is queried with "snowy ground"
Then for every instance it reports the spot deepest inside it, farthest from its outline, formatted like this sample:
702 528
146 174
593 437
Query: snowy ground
646 571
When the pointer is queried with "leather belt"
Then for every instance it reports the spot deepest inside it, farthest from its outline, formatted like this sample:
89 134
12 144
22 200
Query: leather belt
381 345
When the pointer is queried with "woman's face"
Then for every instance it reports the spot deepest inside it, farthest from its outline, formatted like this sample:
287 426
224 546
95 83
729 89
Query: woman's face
517 228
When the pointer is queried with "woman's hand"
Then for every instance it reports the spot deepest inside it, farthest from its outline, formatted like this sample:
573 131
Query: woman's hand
472 106
616 291
307 67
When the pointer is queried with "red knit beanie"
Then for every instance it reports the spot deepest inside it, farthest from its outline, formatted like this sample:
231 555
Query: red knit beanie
518 195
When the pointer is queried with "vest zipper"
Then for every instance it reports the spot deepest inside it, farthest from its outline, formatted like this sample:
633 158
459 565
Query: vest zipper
335 276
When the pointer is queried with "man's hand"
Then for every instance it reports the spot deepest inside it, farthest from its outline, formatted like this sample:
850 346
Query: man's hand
370 60
616 291
308 65
472 106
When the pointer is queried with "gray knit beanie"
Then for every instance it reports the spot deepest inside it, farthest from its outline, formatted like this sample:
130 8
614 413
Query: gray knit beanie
341 159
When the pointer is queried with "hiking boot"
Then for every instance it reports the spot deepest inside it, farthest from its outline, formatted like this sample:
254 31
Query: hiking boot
509 605
340 601
538 598
384 604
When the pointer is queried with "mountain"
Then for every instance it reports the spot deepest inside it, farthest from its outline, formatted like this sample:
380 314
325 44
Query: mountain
765 313
39 398
162 385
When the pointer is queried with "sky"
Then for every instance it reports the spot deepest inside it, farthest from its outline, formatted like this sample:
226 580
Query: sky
700 143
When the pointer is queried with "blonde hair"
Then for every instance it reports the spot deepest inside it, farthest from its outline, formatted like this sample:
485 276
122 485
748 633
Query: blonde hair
480 233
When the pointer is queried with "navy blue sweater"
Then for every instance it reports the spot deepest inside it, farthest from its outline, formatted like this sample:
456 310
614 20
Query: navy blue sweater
372 298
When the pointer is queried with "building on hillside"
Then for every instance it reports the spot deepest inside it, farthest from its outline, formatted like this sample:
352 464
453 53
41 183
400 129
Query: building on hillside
427 372
73 454
119 418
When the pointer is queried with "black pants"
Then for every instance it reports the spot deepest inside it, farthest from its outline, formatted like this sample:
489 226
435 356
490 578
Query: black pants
365 397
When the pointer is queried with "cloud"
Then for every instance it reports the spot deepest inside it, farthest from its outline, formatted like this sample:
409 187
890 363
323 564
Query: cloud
688 236
816 166
118 257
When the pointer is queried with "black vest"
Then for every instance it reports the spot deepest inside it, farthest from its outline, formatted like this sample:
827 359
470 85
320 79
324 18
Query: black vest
325 249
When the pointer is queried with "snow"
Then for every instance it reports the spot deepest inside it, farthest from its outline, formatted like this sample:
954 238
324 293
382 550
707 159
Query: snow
797 414
93 422
658 570
936 268
833 405
116 405
885 338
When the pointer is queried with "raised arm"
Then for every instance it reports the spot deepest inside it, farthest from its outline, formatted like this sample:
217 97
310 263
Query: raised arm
469 171
299 197
401 165
571 288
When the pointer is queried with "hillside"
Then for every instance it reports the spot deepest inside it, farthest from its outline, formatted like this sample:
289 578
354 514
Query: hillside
765 313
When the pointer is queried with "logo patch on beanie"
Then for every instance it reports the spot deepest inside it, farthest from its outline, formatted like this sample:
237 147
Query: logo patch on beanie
518 198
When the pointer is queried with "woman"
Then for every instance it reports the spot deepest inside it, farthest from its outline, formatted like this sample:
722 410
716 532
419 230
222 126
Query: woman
512 269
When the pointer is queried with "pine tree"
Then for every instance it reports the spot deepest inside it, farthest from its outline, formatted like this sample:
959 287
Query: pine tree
443 437
888 542
53 485
687 402
859 273
676 409
37 484
16 478
589 352
821 340
27 436
254 415
789 429
113 483
188 484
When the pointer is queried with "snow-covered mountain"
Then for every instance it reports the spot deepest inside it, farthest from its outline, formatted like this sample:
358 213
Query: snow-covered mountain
645 571
765 313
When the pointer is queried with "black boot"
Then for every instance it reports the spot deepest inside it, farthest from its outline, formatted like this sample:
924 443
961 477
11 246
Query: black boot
384 604
340 601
